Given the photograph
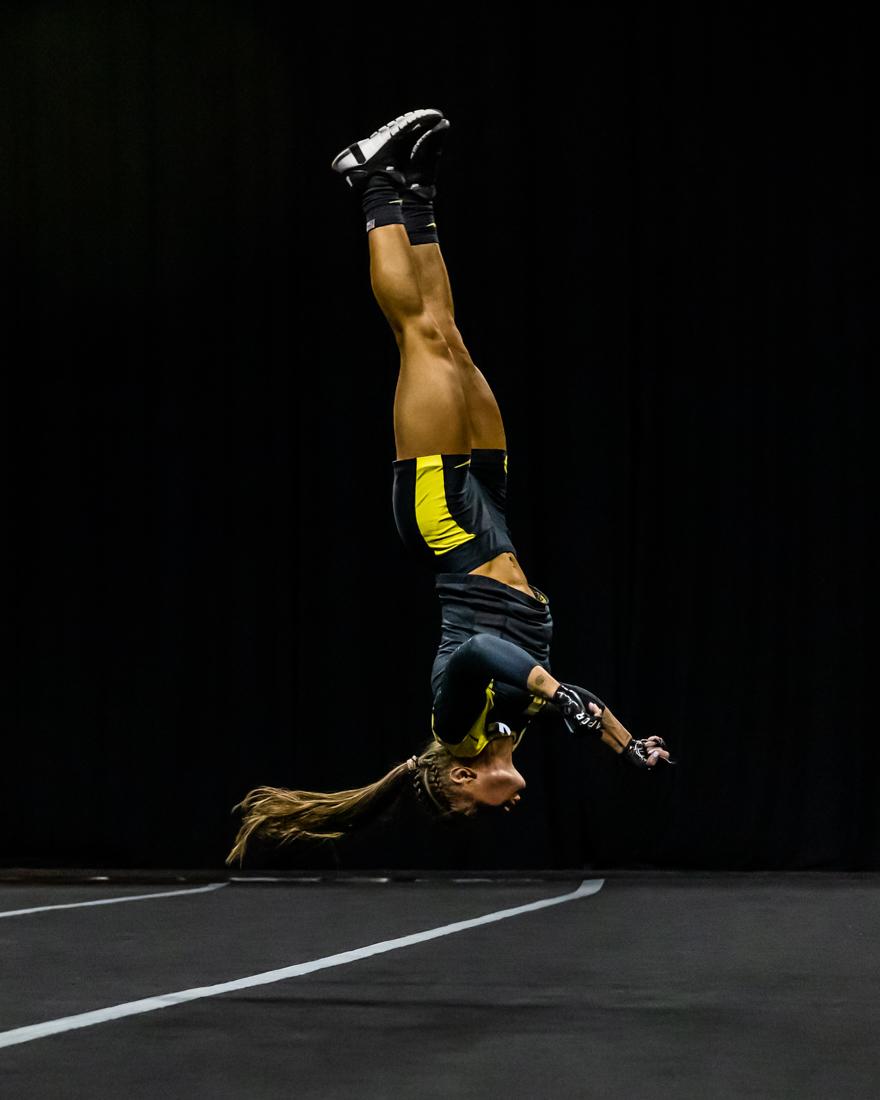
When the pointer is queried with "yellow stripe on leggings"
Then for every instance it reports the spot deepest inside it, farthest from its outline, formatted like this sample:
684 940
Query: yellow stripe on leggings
476 738
435 522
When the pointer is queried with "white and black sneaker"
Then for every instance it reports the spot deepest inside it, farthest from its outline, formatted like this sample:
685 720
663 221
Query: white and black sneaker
386 149
424 161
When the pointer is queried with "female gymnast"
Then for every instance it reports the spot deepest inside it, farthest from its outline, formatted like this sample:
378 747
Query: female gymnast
491 674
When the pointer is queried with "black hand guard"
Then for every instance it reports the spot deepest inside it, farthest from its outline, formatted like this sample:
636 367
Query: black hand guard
575 712
637 752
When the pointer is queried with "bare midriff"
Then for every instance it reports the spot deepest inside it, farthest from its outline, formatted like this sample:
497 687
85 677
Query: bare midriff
506 569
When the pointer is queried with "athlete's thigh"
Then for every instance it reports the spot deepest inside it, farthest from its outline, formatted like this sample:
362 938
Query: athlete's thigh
430 411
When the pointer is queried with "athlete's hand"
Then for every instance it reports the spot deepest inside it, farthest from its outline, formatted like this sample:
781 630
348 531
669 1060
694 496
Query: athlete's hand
647 753
579 715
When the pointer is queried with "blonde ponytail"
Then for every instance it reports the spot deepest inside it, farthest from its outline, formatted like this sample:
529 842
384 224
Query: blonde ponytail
282 816
276 814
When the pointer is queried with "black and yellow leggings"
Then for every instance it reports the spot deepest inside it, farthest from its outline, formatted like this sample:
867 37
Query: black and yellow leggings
450 509
465 693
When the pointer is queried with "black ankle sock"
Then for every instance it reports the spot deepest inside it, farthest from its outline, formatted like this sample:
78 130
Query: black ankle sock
381 201
418 216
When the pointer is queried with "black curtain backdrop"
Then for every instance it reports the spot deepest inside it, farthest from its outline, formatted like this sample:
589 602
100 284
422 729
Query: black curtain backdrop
654 218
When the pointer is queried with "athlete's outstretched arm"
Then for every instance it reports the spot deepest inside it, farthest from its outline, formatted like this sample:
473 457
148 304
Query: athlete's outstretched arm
486 658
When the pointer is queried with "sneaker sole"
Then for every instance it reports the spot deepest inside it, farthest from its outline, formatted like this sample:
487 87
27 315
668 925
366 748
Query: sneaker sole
363 151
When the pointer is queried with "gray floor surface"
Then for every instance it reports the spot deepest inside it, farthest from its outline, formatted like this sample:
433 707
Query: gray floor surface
677 986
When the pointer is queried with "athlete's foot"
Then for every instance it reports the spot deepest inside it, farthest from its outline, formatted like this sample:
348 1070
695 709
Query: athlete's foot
386 149
424 161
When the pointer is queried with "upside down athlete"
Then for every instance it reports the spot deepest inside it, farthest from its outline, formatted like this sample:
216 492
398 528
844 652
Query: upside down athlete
491 674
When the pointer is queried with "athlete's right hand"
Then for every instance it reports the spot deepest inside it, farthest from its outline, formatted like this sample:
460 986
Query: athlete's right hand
647 753
577 716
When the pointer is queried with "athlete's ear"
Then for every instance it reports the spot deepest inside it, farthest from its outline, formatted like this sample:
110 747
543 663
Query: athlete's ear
461 774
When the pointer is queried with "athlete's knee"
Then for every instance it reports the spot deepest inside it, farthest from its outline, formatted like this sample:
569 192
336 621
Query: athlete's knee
455 343
479 652
497 658
481 646
452 336
421 328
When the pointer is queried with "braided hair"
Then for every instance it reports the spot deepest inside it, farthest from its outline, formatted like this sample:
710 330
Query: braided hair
281 816
434 791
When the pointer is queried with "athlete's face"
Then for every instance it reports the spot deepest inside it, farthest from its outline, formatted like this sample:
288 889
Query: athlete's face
491 781
494 789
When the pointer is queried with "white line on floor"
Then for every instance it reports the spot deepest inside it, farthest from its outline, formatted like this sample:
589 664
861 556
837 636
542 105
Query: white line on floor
166 1000
114 901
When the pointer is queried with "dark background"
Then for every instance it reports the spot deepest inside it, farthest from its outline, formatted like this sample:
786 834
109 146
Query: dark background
655 224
